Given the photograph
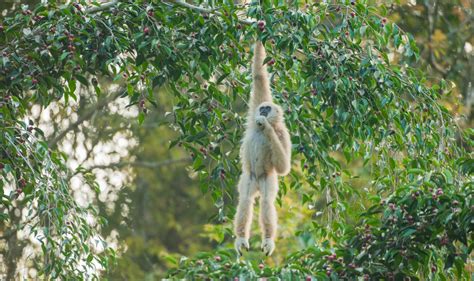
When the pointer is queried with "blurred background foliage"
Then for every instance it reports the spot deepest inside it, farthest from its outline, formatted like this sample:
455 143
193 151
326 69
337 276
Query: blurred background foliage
151 197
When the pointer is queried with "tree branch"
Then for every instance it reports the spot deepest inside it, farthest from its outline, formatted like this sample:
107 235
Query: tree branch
87 115
143 164
180 3
431 28
101 7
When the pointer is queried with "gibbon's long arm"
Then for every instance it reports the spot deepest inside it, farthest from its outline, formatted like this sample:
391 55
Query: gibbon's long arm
281 150
261 84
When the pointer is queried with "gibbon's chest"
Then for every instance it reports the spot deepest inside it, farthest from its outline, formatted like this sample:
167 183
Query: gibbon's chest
259 152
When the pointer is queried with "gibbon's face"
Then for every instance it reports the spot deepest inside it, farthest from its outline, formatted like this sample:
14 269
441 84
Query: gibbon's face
271 111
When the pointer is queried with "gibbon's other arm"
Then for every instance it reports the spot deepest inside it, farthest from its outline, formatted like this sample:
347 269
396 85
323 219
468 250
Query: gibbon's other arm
261 84
280 147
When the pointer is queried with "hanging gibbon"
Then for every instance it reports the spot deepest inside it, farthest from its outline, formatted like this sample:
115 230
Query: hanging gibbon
265 154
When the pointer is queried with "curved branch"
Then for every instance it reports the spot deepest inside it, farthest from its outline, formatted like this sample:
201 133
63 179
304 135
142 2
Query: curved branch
86 116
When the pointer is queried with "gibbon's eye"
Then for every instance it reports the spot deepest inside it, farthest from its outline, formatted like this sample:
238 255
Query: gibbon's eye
269 108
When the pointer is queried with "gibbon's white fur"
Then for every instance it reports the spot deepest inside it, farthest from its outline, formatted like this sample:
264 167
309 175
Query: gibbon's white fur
265 153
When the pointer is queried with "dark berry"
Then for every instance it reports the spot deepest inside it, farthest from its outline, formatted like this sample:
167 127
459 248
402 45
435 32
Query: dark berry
22 183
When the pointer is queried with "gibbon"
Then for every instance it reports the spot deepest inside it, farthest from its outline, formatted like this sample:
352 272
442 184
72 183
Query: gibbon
265 153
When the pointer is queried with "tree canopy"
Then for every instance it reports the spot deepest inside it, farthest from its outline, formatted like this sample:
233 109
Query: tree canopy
368 129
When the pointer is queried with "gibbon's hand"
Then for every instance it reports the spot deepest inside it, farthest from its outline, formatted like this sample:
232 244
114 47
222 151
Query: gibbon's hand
261 122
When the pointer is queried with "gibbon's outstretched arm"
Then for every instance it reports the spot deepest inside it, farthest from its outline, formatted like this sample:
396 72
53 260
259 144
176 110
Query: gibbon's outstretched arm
261 84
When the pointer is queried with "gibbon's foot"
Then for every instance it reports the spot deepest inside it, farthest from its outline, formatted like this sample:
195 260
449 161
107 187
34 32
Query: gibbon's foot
268 245
240 244
261 121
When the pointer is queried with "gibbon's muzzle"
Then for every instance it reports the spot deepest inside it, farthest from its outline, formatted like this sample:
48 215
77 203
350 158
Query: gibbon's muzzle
264 110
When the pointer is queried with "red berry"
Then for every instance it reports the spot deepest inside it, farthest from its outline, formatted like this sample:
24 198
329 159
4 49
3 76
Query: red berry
384 20
261 24
150 13
353 14
2 166
239 26
34 81
328 273
271 62
71 48
309 278
22 183
261 266
353 3
217 258
146 30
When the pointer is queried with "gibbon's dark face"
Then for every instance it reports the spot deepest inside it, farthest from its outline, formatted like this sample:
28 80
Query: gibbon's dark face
264 110
271 111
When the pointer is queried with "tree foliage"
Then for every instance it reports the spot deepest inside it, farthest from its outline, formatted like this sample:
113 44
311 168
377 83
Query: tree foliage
346 105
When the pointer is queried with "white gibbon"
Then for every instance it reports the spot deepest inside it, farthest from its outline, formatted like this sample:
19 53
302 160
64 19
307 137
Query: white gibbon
265 153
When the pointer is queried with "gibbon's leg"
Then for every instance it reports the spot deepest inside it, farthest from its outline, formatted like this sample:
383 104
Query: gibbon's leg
243 217
261 84
268 214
